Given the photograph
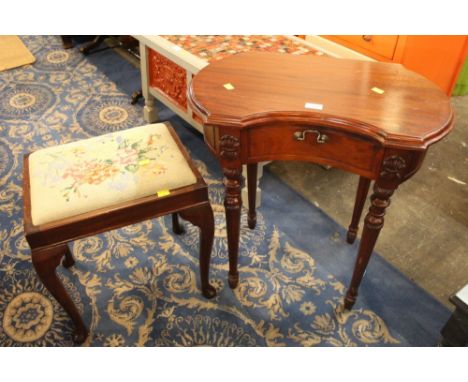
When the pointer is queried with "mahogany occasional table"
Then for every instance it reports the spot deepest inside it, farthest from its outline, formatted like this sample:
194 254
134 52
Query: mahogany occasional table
374 119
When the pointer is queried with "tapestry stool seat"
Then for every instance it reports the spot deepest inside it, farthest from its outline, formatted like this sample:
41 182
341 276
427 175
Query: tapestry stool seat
98 184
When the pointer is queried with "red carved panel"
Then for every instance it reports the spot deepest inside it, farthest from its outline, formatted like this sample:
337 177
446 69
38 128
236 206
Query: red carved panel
168 77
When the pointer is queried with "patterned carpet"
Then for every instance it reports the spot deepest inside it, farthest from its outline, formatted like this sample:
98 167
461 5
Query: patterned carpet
139 285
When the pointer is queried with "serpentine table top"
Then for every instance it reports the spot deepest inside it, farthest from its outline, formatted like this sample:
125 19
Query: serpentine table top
383 101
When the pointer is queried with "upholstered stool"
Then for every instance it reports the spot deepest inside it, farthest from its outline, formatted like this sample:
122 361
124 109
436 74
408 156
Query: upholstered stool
107 182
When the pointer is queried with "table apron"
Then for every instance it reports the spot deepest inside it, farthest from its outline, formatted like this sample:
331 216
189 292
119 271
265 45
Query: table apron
351 152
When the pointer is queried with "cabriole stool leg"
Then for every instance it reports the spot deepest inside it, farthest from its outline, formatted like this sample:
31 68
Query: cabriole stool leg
45 261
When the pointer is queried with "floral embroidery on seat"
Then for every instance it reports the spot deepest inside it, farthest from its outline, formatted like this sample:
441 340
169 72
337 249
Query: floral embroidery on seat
89 172
103 171
127 159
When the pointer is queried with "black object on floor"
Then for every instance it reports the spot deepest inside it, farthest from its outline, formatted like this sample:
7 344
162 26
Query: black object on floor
455 331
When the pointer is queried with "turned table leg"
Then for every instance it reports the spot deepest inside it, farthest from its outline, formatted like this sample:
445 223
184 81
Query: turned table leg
252 191
45 261
202 217
361 195
233 205
373 223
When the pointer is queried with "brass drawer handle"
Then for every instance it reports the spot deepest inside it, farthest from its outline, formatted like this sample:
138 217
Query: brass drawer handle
367 38
301 135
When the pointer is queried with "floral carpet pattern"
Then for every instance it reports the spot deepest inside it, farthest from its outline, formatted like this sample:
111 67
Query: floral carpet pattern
139 285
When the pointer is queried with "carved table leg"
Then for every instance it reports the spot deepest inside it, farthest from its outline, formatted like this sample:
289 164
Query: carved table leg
361 195
177 228
233 205
45 260
202 217
68 261
373 223
252 190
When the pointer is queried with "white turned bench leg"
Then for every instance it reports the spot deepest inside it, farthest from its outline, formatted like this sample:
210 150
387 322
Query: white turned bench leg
150 111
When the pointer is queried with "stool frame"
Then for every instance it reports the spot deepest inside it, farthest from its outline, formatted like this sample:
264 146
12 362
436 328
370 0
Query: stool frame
49 242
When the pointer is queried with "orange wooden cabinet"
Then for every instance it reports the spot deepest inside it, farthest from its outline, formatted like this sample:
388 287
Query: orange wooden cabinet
439 58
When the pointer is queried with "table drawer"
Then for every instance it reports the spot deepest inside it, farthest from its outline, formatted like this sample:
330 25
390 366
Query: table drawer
316 144
369 44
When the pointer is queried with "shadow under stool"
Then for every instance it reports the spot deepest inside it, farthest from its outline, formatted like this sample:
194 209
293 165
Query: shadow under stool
103 183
